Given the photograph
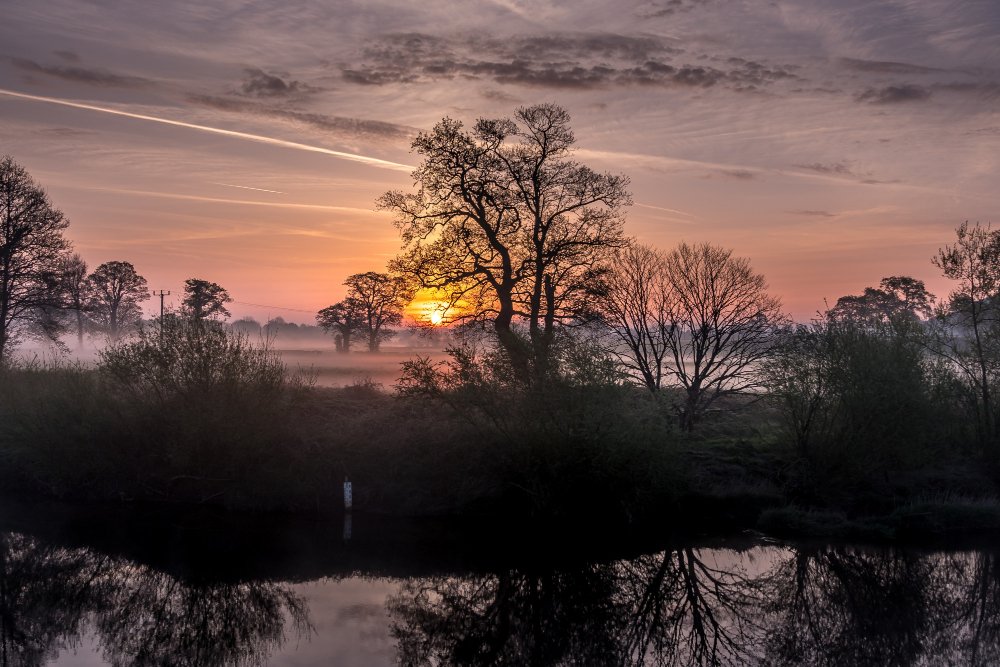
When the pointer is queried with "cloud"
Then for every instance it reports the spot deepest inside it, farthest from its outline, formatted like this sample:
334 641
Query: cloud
571 61
63 132
906 92
831 169
885 66
259 83
354 127
92 77
68 56
736 174
815 214
985 89
652 10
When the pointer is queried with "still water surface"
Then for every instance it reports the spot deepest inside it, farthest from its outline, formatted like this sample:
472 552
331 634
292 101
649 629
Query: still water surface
130 589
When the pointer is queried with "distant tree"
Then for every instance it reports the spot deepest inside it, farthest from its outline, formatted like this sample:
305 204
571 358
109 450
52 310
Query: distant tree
204 300
897 299
969 327
344 319
504 220
247 326
382 296
75 289
115 292
32 250
721 326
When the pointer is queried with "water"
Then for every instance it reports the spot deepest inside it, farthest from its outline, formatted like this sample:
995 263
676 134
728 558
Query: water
79 587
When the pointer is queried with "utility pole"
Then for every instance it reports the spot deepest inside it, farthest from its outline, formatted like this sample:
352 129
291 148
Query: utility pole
161 294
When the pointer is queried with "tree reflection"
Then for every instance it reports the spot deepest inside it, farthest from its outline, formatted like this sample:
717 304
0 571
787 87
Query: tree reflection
50 596
670 608
848 606
682 610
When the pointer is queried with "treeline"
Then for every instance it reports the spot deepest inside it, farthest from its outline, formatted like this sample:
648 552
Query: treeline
46 289
591 375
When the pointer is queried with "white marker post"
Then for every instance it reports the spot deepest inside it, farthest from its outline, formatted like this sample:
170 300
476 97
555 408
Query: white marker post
348 494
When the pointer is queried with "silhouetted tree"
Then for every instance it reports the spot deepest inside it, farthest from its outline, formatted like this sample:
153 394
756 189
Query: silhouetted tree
382 297
721 326
898 299
247 326
634 306
204 300
32 250
75 289
857 397
969 332
345 319
114 294
506 222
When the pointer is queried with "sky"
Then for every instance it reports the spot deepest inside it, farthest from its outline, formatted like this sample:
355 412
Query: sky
832 143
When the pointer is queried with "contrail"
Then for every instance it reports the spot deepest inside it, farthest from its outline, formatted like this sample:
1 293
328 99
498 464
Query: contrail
220 200
247 187
375 162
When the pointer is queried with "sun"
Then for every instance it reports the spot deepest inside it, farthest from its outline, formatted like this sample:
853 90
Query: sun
437 317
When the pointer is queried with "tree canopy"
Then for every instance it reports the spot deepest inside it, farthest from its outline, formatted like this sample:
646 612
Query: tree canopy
32 250
506 222
115 292
204 300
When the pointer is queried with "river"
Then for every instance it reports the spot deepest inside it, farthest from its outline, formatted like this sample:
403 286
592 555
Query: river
82 586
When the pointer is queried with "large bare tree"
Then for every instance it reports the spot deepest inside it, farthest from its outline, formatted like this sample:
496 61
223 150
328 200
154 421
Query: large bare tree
634 307
695 319
506 222
32 249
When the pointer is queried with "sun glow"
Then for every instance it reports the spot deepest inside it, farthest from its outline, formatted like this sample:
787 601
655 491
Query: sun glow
432 308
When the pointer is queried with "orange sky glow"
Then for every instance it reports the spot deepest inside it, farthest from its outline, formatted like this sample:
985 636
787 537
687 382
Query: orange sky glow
247 144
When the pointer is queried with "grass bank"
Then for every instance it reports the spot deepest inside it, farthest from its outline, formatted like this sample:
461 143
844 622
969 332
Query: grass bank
195 416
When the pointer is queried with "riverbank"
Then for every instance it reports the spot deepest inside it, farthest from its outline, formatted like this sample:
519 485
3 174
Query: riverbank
59 441
206 419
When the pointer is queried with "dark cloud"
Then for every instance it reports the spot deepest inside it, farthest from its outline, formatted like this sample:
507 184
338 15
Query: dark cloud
336 124
985 131
499 96
739 174
906 92
63 132
259 83
984 89
68 56
668 8
577 61
814 214
832 169
885 66
92 77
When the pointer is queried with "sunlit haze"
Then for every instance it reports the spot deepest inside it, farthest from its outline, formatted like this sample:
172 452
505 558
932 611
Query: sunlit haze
246 142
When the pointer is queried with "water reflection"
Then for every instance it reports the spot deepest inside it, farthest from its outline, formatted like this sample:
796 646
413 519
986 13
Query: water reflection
764 605
677 607
50 596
